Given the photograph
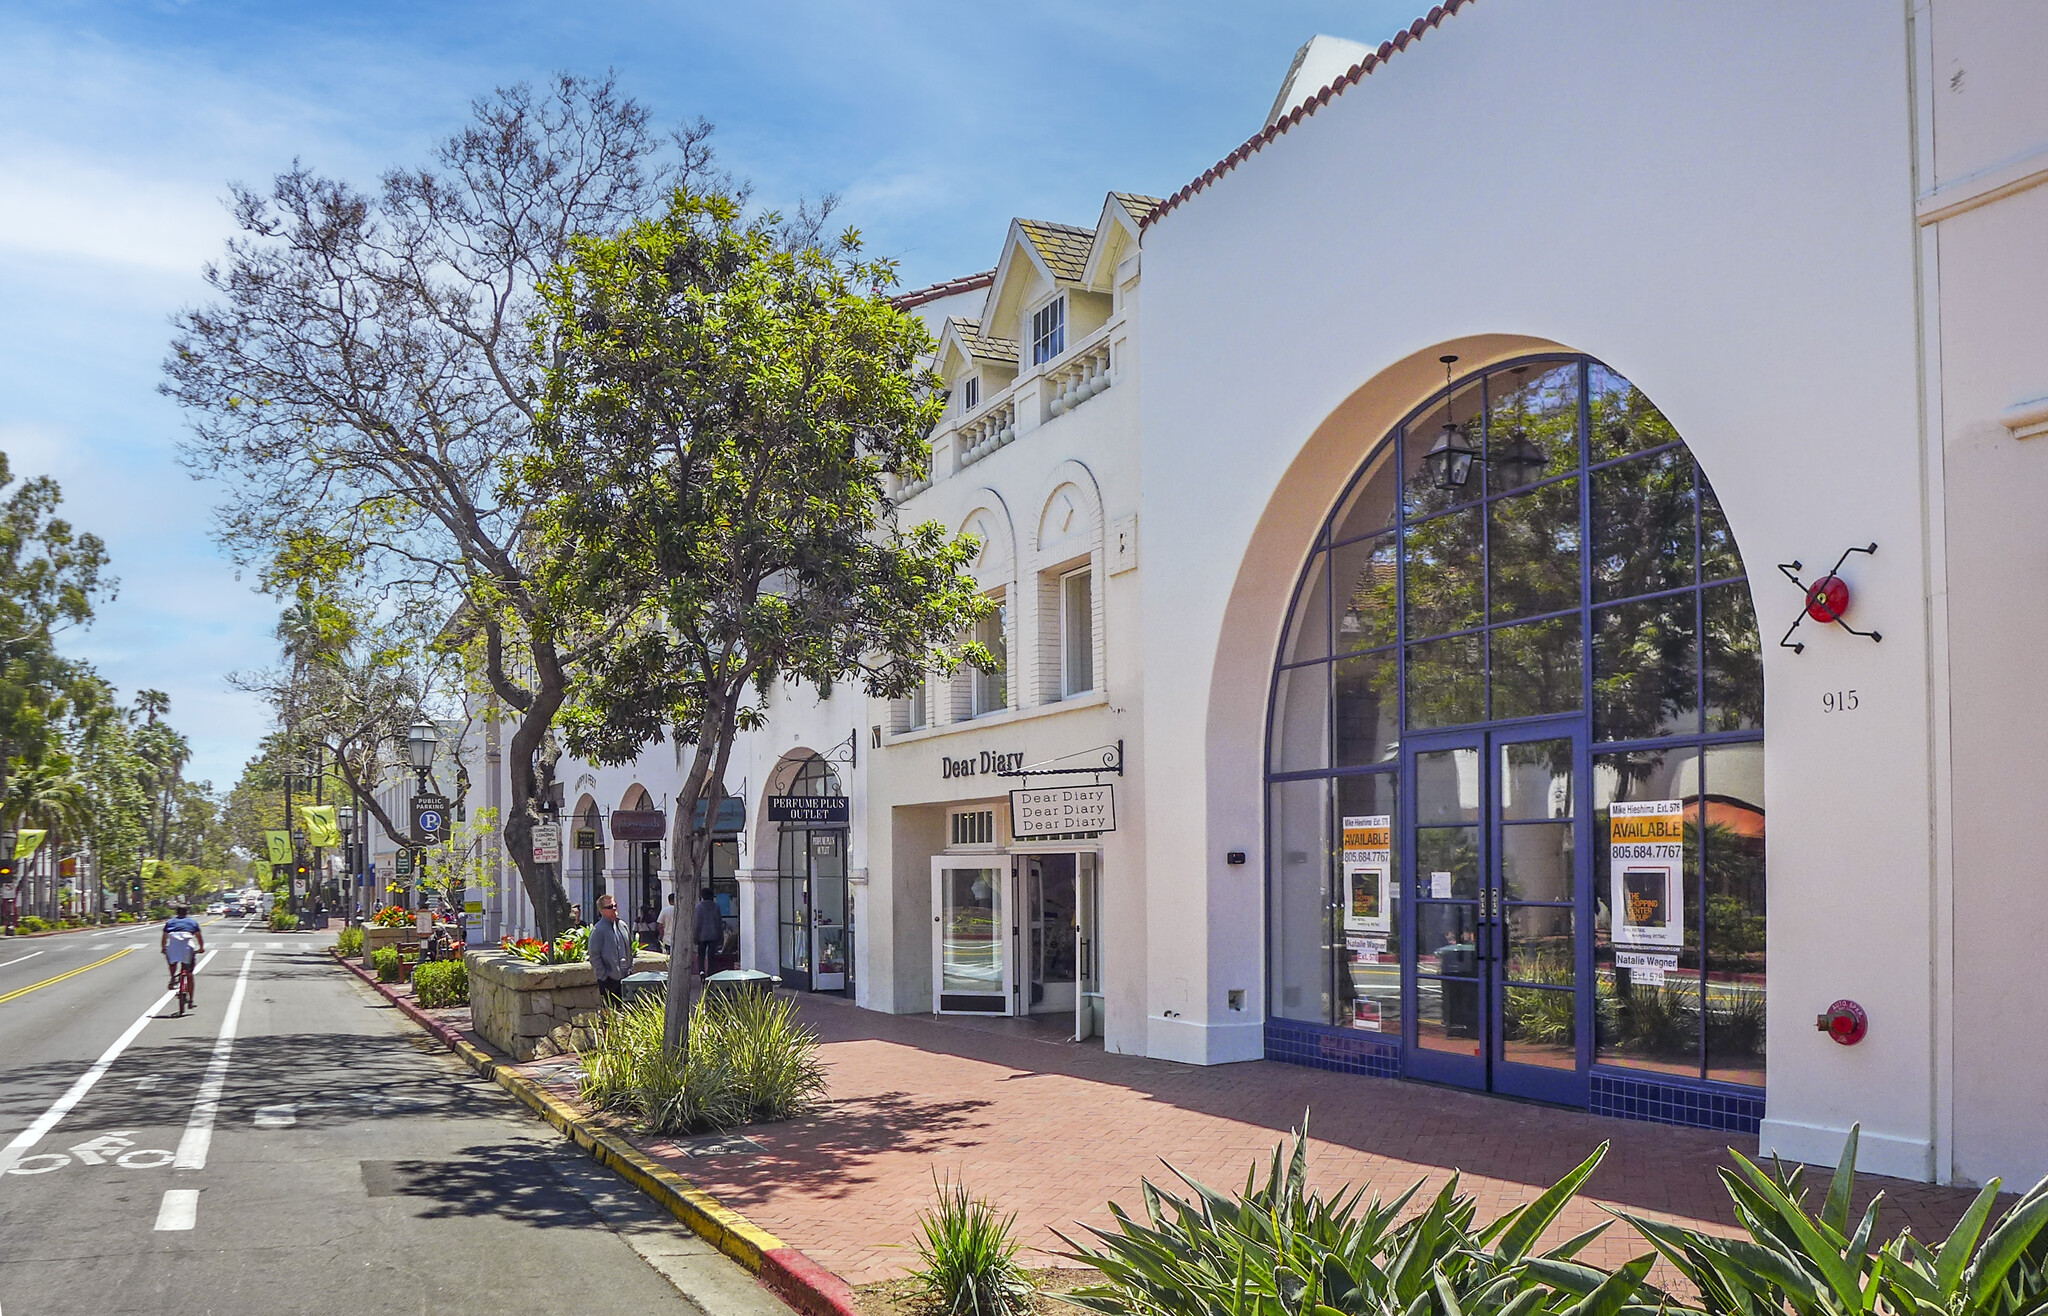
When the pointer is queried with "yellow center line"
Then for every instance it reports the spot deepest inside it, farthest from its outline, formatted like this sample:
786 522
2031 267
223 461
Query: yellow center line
35 986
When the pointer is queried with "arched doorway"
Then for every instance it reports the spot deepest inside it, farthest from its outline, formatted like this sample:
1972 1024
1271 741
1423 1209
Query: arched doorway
814 904
1514 758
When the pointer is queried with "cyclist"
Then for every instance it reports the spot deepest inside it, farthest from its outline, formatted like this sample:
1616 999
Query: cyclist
181 937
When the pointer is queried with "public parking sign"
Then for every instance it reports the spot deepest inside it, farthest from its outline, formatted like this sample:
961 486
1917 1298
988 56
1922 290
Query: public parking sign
429 819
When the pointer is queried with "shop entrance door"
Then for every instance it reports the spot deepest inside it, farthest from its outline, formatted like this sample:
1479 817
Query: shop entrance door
1498 939
814 911
1088 946
1047 930
972 973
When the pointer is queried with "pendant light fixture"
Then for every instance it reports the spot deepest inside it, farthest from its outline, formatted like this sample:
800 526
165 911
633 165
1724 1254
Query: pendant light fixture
1450 460
1522 461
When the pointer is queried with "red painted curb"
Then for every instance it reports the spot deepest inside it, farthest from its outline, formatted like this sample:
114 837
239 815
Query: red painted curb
806 1285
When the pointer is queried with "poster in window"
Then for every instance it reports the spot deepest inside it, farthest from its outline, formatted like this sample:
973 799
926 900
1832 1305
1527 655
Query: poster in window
1646 856
1368 865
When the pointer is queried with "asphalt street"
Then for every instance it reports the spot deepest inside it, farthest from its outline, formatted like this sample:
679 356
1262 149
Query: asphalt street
292 1145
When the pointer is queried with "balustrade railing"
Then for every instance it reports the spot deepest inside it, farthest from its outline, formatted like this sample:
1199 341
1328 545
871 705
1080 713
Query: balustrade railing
1077 380
992 429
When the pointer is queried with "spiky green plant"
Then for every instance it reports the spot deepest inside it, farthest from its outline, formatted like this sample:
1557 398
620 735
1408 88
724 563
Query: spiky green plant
969 1255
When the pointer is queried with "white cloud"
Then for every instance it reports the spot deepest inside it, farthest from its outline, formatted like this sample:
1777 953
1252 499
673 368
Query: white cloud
72 209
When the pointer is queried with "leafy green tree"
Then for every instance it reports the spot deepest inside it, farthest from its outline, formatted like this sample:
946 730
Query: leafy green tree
722 412
366 372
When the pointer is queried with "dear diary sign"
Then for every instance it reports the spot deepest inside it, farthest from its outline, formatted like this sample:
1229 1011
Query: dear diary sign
1058 810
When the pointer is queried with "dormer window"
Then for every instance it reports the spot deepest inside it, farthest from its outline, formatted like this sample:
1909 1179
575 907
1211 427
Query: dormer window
1049 331
970 395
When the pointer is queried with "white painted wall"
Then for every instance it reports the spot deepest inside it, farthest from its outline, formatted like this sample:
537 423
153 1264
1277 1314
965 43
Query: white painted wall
1715 201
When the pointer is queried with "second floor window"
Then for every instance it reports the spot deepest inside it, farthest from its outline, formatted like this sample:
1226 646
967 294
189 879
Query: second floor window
970 396
920 705
992 689
1077 633
1049 331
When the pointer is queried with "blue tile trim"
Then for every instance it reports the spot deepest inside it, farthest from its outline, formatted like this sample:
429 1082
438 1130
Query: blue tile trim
1660 1099
1664 1099
1343 1050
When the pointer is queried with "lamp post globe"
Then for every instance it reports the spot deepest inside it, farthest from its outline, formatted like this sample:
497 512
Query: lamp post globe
419 744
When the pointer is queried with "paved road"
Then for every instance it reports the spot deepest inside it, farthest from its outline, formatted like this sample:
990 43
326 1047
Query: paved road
292 1145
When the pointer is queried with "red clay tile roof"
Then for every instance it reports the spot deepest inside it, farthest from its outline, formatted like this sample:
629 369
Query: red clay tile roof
1402 40
965 283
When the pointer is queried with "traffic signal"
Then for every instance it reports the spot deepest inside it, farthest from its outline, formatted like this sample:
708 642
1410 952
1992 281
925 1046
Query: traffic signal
6 870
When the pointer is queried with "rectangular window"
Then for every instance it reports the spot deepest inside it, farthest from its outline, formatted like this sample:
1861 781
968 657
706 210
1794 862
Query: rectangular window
970 395
920 705
992 689
1049 331
1077 633
974 827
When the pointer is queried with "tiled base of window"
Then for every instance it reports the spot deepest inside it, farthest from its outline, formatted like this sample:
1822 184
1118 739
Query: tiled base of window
1345 1050
1663 1100
1660 1099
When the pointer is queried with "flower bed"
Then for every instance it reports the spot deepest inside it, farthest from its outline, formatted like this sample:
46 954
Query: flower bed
531 1010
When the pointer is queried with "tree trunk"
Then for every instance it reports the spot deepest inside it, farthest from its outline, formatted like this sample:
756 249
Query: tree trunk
543 887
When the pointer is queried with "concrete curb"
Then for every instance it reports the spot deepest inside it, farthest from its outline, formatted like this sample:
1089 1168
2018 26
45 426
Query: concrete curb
784 1270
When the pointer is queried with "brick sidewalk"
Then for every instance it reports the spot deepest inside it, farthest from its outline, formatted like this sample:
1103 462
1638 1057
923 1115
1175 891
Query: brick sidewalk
1054 1131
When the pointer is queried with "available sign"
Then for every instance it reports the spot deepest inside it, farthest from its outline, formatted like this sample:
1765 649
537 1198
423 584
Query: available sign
1368 866
810 810
547 843
1646 856
1058 810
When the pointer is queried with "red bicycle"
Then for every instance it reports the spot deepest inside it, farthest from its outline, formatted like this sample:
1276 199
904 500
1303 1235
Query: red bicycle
182 976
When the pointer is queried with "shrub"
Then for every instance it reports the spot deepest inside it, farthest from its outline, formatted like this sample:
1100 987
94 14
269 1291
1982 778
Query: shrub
385 962
33 924
970 1255
441 983
1824 1265
1282 1248
283 920
773 1056
349 942
628 1070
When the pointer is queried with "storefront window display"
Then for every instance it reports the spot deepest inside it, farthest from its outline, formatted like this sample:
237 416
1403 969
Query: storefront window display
1509 690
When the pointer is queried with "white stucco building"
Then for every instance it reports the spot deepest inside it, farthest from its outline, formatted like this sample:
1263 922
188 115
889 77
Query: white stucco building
1476 416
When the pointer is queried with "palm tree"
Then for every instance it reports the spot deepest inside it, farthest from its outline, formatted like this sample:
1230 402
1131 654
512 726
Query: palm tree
151 703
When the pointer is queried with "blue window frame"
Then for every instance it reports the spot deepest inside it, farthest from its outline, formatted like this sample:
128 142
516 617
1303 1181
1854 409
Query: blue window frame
1580 584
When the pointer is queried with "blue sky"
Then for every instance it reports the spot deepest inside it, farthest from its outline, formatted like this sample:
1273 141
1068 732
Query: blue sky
121 124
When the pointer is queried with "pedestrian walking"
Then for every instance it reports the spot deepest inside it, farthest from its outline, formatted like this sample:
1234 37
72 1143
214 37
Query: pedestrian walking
708 929
575 916
610 950
665 924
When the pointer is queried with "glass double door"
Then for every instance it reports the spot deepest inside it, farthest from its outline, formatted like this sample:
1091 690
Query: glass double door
1499 895
1018 935
814 911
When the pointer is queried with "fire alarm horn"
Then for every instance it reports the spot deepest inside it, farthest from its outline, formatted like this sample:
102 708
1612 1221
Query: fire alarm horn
1827 600
1845 1022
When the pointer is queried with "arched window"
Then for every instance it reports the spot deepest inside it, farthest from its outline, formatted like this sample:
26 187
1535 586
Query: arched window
1526 609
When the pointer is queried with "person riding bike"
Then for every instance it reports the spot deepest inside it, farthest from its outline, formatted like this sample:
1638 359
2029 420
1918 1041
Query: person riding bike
181 942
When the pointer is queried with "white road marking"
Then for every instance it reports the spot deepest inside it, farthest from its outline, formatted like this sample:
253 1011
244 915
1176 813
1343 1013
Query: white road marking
98 1151
192 1148
30 1136
31 955
240 945
180 1209
273 945
276 1117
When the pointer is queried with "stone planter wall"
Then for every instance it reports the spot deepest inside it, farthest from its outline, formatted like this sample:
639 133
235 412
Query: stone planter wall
376 939
530 1010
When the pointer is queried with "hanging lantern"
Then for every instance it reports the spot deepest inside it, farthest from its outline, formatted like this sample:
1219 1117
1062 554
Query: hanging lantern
1450 459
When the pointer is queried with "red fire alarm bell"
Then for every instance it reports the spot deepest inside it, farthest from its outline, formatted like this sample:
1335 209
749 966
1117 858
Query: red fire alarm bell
1845 1022
1827 599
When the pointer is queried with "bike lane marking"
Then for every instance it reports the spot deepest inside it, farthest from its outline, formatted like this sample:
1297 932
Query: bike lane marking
30 1136
180 1209
70 973
192 1148
31 955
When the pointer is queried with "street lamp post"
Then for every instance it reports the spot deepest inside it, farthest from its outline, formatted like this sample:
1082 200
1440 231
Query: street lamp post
345 819
420 742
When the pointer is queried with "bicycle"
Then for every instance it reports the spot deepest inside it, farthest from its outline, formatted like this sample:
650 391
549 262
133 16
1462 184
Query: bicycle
183 978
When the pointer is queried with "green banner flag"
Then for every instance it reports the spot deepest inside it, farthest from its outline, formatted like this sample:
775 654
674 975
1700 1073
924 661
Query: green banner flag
28 841
149 867
321 828
280 845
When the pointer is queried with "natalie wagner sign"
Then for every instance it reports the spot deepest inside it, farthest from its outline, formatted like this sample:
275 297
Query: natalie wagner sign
1058 810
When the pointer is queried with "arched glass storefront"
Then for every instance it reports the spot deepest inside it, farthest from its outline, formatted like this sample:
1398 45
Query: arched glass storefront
1515 767
814 903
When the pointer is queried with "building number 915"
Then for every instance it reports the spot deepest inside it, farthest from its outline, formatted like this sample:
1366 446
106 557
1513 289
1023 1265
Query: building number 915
1839 701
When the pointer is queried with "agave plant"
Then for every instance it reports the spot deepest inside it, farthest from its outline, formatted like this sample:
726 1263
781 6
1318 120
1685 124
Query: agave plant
1809 1264
1282 1249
